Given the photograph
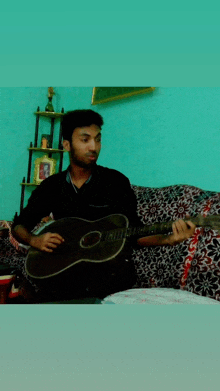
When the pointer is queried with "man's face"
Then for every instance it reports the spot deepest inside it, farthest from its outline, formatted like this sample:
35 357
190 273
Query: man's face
85 147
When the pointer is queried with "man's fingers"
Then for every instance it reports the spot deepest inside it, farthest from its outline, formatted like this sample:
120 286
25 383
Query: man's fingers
183 226
174 228
56 236
190 224
52 245
179 226
48 250
55 241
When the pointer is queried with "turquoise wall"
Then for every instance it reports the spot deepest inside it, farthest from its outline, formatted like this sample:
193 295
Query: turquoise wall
170 136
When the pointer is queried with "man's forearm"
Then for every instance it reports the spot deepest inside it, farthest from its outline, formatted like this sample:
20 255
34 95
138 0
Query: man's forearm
181 231
156 240
22 234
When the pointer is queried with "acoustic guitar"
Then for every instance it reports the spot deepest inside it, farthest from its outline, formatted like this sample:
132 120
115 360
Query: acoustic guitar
94 241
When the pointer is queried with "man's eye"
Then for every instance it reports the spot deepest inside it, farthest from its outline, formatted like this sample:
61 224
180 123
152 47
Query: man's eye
84 140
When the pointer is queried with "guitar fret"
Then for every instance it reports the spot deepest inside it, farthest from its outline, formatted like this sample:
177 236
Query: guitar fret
157 228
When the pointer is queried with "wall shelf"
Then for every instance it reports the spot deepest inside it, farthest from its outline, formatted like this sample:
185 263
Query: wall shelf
52 116
49 150
28 184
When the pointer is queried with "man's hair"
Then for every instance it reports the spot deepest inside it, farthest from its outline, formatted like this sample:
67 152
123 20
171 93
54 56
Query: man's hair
78 119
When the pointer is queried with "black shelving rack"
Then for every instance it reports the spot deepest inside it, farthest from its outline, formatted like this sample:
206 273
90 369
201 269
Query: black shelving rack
52 116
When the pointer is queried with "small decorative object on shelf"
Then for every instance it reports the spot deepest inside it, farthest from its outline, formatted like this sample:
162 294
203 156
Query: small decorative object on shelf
52 116
44 167
46 141
49 106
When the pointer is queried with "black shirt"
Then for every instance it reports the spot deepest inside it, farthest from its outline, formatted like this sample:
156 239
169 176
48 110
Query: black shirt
107 192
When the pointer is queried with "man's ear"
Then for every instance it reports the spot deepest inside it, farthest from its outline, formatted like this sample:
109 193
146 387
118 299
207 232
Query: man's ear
66 145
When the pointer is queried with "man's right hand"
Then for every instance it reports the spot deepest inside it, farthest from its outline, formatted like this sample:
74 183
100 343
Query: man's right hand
46 242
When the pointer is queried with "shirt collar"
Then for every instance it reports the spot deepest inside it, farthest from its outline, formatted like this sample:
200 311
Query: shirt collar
69 180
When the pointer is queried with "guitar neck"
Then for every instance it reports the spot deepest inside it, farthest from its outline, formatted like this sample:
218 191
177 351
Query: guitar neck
155 229
122 233
148 230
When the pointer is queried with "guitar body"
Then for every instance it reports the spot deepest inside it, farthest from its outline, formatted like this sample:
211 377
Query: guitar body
83 243
94 258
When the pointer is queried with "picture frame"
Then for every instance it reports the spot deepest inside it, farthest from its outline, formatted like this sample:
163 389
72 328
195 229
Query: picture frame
46 141
108 94
44 167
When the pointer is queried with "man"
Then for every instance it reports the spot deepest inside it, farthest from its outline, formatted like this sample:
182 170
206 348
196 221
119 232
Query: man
85 190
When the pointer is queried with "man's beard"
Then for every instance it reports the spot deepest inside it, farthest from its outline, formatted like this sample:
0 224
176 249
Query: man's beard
80 162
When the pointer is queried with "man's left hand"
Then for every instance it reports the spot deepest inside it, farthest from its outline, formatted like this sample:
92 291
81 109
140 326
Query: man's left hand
181 231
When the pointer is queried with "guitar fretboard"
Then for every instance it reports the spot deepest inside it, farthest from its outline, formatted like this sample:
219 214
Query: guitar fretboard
158 228
123 233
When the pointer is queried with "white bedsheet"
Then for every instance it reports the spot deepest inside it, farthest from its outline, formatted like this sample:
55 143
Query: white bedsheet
157 296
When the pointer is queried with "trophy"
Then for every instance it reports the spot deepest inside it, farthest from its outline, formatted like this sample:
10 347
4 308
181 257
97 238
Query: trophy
49 106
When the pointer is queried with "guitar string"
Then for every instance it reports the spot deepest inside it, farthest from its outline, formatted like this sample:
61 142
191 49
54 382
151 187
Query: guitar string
122 233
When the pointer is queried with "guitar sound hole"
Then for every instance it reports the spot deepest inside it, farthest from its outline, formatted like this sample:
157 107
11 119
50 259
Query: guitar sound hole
91 239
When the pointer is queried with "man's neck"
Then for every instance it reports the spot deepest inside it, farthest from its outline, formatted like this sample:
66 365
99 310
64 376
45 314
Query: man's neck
80 175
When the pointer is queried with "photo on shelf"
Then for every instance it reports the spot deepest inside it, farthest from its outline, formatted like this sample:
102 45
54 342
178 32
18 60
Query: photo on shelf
44 167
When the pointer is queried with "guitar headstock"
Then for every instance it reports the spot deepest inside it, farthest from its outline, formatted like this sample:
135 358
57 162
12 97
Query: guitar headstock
209 221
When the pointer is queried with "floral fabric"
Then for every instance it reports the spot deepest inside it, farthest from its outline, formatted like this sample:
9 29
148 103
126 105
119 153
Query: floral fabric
13 254
193 265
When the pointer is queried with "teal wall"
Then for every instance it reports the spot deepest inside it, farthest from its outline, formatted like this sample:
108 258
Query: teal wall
170 136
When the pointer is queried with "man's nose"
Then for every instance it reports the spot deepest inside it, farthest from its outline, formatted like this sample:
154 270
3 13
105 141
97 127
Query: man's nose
92 145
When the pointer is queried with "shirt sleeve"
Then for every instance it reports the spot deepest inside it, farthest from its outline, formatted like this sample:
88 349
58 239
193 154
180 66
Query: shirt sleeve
39 206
